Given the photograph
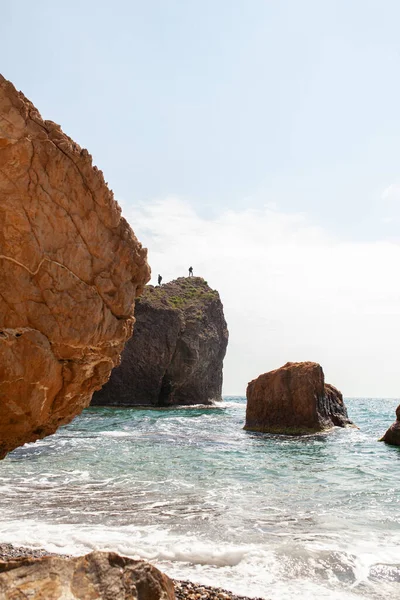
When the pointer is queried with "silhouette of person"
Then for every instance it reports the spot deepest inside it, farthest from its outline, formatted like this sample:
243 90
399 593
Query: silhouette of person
190 271
159 280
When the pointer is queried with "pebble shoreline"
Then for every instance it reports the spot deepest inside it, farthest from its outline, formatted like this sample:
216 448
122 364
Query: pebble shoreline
184 590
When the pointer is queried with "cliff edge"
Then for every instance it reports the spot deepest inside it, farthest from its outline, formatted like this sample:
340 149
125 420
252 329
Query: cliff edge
176 353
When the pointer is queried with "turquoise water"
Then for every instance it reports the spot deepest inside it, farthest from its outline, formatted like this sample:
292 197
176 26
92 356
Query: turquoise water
188 489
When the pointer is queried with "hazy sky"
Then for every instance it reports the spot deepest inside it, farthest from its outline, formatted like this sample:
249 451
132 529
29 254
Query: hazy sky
259 141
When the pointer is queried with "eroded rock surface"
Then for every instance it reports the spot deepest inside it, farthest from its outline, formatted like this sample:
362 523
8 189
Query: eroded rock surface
70 267
392 436
177 352
96 576
294 400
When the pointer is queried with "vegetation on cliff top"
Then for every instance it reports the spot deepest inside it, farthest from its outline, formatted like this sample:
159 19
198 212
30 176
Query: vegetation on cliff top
179 294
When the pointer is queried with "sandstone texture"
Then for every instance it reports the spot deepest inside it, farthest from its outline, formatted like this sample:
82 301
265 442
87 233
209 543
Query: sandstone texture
96 576
71 268
392 436
294 400
176 354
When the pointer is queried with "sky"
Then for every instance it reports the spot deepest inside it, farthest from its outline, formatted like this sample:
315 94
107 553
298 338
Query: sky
256 140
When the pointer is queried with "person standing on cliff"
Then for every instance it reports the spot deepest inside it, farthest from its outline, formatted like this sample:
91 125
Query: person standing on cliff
159 279
190 271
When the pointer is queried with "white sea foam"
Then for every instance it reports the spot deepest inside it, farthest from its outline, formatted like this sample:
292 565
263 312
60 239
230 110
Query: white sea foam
115 434
229 404
280 572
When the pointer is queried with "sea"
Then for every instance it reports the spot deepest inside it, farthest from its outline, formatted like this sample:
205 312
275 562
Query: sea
188 489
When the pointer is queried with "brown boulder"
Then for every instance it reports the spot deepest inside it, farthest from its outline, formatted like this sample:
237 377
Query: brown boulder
96 576
71 268
294 400
392 436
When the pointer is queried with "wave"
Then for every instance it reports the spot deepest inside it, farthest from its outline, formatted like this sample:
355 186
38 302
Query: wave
189 490
281 569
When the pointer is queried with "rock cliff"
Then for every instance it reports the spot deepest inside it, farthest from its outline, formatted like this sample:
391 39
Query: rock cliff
71 268
294 400
177 351
392 436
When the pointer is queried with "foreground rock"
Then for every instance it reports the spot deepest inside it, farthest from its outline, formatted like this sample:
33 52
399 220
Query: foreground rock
392 436
294 400
96 576
176 354
184 590
71 268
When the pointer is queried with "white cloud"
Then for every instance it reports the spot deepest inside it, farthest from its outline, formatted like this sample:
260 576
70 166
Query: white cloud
290 291
390 204
392 193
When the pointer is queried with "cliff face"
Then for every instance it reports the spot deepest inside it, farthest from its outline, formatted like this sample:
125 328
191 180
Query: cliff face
294 400
71 268
175 355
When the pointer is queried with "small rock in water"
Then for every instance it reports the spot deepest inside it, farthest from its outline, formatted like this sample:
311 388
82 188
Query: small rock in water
294 400
392 436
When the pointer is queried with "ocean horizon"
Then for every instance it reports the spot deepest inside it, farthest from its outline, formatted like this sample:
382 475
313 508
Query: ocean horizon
188 489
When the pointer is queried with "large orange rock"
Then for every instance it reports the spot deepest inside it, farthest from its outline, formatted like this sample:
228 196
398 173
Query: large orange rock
392 436
294 400
71 268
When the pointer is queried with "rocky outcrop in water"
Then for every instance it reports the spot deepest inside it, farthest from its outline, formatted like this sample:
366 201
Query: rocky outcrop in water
71 268
294 400
392 436
96 576
176 354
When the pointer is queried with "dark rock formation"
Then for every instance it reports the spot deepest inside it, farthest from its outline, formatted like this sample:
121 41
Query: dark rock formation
176 354
71 268
96 576
294 400
392 436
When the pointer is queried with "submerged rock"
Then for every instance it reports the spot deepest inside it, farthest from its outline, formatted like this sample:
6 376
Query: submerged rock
392 436
96 576
176 354
71 268
294 400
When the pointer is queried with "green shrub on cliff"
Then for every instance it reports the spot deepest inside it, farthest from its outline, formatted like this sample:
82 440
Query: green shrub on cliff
180 293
